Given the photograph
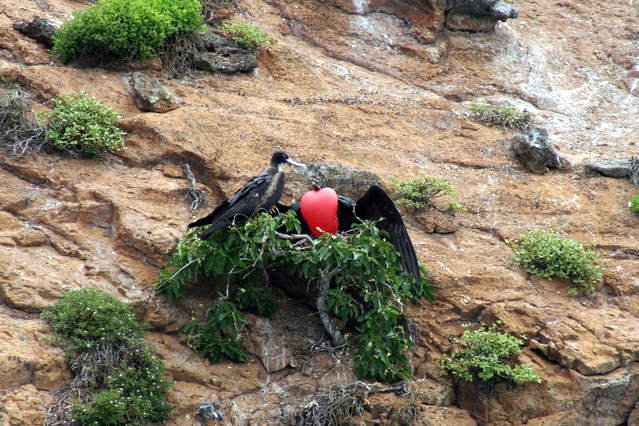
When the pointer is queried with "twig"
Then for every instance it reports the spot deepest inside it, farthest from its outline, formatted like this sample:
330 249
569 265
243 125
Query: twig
175 274
295 237
198 197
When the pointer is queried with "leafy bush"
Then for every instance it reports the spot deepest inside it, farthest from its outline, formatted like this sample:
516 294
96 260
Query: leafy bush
634 204
8 84
259 300
420 193
246 35
482 356
219 335
547 255
369 270
135 393
126 29
79 123
500 115
87 317
118 381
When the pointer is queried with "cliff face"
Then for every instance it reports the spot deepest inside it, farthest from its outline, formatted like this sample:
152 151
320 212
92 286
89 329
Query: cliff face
380 87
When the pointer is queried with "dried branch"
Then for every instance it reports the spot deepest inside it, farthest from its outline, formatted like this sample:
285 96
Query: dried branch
330 327
341 403
20 131
198 197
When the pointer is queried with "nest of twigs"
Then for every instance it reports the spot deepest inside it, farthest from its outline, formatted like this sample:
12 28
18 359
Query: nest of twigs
20 131
341 403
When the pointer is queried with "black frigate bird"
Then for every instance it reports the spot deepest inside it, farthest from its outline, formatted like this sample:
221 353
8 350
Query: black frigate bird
374 205
259 193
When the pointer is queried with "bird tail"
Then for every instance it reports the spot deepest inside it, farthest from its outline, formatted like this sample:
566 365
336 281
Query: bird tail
216 226
211 218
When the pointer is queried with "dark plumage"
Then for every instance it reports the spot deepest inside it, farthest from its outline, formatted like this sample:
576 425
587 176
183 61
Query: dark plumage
259 193
374 205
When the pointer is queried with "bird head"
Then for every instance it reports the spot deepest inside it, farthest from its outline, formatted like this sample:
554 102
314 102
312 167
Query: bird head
280 158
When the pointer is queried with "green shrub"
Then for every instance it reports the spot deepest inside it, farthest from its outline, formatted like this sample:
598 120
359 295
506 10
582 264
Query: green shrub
87 317
126 29
369 269
219 335
547 255
483 354
118 381
420 193
8 84
134 393
500 115
259 300
634 204
81 124
246 35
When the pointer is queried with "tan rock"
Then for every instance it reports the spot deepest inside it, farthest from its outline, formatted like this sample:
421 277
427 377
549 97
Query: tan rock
23 405
379 89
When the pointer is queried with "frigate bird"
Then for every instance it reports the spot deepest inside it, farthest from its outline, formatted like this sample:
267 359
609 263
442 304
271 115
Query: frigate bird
322 210
259 193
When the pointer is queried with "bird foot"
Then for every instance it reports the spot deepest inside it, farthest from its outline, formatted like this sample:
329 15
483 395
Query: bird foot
274 210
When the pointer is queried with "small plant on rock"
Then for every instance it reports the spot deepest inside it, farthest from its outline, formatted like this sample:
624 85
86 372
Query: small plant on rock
634 204
218 336
420 193
246 35
547 255
500 115
117 380
483 357
82 124
87 317
126 29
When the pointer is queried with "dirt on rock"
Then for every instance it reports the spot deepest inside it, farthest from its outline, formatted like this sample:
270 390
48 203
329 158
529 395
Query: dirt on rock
379 87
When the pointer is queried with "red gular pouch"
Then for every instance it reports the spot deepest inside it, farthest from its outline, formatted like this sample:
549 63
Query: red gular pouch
319 210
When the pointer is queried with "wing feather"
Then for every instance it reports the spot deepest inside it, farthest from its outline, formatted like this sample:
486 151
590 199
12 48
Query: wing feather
245 201
377 205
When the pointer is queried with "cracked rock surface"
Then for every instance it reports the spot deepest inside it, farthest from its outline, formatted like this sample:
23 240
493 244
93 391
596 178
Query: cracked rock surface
376 86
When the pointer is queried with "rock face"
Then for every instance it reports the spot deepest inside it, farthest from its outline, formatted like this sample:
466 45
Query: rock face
347 181
39 29
613 168
150 95
354 85
225 56
477 15
535 152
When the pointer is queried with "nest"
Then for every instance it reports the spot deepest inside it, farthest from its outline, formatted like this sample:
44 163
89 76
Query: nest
20 131
341 403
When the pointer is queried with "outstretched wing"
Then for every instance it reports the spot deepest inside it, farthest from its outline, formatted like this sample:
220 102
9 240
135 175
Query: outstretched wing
377 205
244 202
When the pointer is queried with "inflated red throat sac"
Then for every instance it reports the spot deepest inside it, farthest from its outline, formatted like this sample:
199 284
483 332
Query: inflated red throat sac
319 209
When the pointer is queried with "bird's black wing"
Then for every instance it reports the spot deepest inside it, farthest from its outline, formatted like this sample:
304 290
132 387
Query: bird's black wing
377 205
283 209
244 202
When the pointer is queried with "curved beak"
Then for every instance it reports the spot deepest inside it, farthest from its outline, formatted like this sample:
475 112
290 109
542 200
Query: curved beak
295 163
